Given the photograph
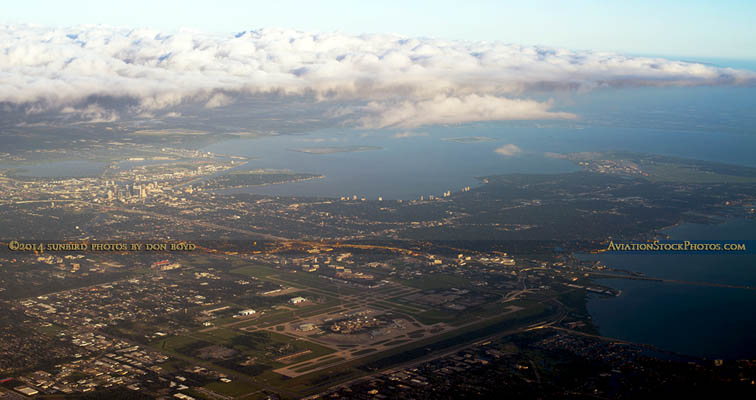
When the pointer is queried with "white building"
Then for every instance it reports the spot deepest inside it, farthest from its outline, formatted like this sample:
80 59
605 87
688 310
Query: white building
297 300
245 313
26 390
306 327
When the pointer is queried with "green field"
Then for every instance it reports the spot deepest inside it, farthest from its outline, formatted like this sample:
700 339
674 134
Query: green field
298 280
438 281
262 346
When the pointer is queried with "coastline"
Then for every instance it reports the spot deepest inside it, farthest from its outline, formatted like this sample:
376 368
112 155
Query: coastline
682 302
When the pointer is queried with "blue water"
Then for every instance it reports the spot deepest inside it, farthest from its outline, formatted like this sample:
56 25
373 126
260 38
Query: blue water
422 165
707 123
695 320
402 169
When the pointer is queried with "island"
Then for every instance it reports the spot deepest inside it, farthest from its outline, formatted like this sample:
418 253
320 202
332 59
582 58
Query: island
334 149
257 177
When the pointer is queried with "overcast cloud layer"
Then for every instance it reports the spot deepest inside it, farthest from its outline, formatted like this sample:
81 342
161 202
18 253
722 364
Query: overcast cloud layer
401 82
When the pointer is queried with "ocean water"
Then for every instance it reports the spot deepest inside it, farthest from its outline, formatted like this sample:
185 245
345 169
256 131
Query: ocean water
409 167
707 123
427 162
403 168
710 322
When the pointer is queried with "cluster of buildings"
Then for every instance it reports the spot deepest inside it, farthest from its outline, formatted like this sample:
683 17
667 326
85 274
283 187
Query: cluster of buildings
337 267
356 324
134 299
116 363
445 194
620 167
126 192
165 265
157 182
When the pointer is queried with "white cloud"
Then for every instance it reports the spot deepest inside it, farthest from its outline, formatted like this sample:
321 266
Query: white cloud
218 100
451 110
508 150
408 134
399 78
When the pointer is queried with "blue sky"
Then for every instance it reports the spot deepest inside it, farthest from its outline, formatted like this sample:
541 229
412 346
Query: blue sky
692 28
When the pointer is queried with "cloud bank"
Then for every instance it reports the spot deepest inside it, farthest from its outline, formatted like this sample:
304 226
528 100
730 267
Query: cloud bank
449 110
401 81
